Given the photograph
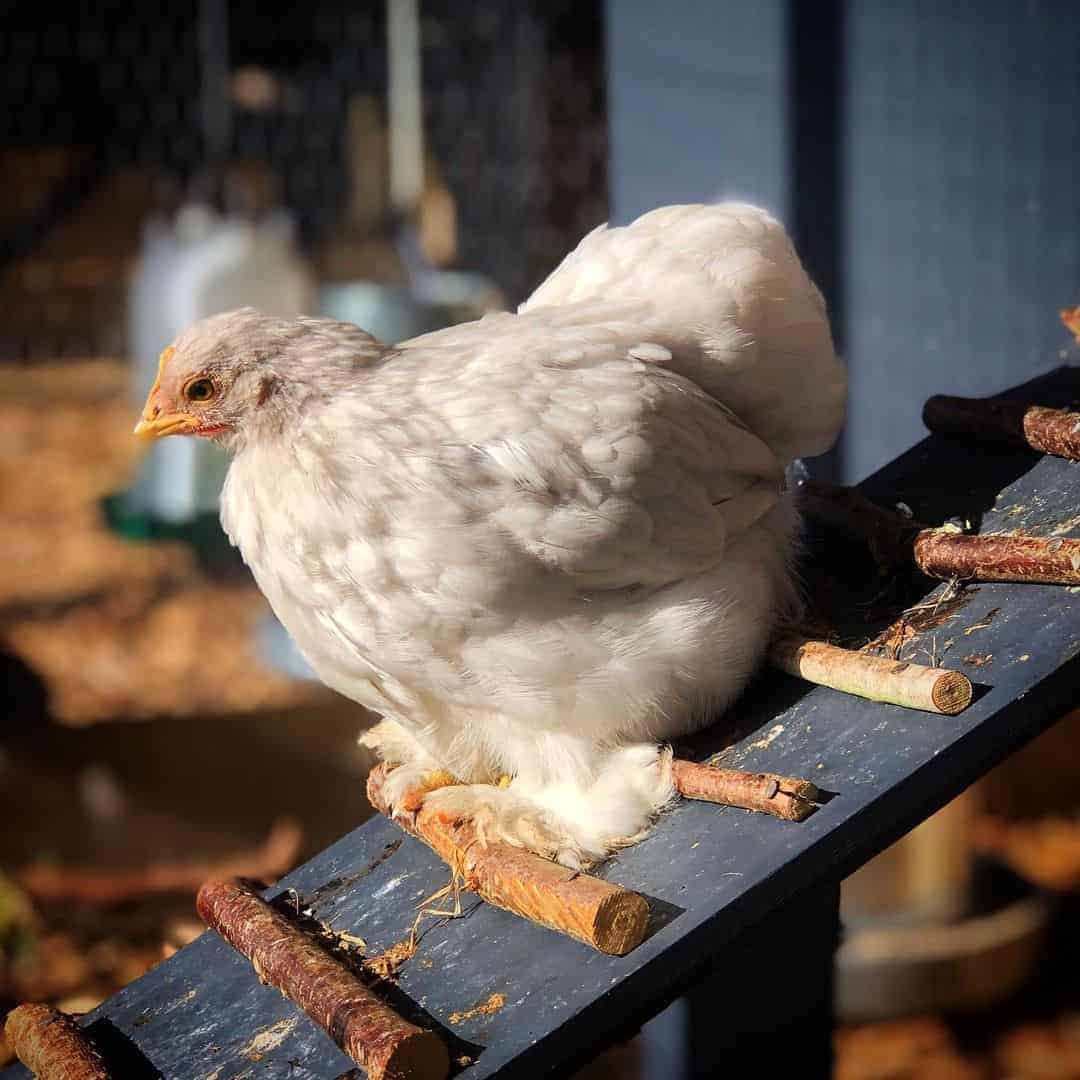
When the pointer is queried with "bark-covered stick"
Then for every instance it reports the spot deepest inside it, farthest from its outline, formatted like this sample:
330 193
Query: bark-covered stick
605 916
946 553
1052 431
51 1045
368 1030
887 533
782 796
943 552
910 685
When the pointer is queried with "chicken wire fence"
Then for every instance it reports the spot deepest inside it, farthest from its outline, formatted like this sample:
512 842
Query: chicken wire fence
117 111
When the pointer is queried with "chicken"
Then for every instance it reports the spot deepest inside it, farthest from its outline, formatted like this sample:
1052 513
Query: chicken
540 544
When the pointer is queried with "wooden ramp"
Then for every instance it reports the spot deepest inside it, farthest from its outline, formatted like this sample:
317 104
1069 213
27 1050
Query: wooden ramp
729 891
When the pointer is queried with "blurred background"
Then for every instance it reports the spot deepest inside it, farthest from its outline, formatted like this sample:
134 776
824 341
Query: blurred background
407 165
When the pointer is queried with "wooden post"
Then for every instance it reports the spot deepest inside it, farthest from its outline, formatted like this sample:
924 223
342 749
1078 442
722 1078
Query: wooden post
783 996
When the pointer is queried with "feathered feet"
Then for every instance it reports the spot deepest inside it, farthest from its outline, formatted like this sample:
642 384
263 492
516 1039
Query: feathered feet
575 823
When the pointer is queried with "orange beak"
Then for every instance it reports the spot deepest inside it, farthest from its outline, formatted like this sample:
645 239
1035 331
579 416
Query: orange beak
156 420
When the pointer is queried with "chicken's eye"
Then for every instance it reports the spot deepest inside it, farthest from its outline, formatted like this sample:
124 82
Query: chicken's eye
199 390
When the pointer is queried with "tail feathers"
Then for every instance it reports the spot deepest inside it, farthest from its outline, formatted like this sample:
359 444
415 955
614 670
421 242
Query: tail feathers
722 288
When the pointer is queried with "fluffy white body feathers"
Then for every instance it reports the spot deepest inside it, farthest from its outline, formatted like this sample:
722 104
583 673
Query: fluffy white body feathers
543 543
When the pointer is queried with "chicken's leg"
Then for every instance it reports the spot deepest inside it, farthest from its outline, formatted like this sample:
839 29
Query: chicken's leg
575 822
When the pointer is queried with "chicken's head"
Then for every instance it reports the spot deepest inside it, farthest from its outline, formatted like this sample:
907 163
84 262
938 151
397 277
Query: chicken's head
207 380
233 376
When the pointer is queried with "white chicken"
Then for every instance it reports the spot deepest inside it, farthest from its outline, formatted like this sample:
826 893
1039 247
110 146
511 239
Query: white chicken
541 544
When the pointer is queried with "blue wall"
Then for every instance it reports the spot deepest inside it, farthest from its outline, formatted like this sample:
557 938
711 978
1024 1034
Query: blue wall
953 233
962 168
697 103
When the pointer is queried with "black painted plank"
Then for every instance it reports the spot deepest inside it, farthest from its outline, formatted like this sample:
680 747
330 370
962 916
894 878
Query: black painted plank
711 872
